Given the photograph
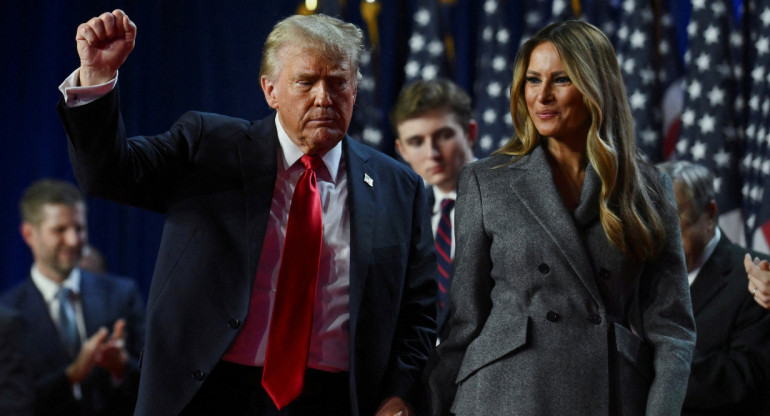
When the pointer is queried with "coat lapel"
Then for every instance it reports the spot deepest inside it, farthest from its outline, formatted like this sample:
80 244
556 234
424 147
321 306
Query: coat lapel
259 161
712 277
361 204
536 190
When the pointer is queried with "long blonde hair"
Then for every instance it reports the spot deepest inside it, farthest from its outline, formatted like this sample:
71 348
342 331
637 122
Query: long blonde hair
627 214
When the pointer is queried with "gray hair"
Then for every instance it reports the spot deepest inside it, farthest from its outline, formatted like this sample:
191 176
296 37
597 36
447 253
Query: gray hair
327 36
697 183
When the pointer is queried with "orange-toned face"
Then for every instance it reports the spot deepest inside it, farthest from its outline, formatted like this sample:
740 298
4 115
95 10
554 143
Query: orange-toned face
314 98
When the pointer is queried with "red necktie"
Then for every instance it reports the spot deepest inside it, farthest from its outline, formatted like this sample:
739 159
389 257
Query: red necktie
289 339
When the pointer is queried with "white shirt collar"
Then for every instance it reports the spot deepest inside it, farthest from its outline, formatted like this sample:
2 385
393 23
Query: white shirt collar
48 288
439 196
292 153
705 256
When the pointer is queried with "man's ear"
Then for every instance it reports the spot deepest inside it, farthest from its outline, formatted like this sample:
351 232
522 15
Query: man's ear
711 210
268 88
398 148
27 231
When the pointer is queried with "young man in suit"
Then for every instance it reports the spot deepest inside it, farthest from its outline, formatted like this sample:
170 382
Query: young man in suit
296 274
436 131
730 365
82 332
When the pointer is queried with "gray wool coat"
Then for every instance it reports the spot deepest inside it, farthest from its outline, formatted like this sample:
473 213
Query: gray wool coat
549 318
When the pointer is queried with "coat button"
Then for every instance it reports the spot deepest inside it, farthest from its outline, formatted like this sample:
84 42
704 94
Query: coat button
234 323
552 316
595 319
604 273
543 268
198 375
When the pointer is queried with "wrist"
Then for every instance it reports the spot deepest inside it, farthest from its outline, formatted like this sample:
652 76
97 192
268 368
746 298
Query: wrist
90 76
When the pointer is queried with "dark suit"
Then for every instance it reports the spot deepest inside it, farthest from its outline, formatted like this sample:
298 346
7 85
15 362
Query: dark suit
15 383
213 176
105 299
733 339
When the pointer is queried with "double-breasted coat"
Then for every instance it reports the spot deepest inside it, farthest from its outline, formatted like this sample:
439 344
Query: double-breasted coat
549 317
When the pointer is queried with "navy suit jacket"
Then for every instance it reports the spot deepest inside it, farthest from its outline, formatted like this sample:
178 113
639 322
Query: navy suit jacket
15 383
213 176
105 299
730 363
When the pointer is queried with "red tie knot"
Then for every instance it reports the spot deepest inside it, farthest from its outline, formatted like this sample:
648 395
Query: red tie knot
311 162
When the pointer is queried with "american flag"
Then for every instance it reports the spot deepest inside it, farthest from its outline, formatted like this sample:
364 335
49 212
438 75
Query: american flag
756 161
427 57
493 79
709 132
641 64
537 13
367 124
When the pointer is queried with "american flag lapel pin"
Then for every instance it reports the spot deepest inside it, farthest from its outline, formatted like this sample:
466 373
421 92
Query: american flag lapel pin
369 181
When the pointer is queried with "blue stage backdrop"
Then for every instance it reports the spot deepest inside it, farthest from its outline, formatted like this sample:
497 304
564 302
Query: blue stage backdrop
204 55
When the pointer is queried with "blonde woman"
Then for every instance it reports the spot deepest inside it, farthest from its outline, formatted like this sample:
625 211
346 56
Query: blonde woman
570 290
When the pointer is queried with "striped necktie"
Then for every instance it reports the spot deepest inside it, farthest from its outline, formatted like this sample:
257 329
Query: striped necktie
443 253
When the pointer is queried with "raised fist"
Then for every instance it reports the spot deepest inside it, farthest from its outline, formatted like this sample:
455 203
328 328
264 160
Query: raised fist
104 43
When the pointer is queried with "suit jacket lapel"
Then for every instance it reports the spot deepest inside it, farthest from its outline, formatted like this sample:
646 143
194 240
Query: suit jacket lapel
259 161
712 276
361 205
536 190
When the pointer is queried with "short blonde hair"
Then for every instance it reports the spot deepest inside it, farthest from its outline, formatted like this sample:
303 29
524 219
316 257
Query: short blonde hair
326 36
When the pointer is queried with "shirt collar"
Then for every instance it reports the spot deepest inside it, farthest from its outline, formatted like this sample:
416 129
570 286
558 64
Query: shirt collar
48 288
439 196
706 255
292 153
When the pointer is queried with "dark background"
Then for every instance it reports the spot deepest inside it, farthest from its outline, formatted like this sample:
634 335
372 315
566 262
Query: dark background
189 55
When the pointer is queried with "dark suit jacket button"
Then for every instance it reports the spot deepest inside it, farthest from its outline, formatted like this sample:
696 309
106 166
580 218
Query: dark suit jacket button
552 316
198 375
604 273
595 319
234 323
543 268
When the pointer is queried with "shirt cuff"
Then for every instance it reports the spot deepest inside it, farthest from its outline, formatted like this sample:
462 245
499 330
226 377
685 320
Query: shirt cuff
75 96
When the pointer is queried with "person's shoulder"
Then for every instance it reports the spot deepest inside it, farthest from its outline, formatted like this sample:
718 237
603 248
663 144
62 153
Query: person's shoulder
381 161
222 126
110 282
16 293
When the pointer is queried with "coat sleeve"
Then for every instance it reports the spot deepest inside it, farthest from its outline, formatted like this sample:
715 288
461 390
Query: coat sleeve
416 329
470 294
666 311
15 382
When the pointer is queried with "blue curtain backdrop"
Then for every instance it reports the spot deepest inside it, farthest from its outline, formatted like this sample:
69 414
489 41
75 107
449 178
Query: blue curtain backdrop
192 54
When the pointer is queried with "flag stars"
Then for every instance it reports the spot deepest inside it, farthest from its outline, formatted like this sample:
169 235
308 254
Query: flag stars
718 8
688 117
694 89
422 17
499 63
416 42
711 35
698 4
436 48
707 124
703 62
763 45
490 7
503 36
698 151
494 89
490 116
722 158
716 96
647 75
637 100
638 39
649 136
765 16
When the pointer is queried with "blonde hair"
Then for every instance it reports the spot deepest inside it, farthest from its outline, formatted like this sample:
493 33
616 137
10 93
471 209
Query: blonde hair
331 38
626 210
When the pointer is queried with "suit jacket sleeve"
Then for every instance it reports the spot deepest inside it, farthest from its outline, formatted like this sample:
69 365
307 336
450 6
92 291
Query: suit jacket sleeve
470 294
666 312
137 171
15 383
